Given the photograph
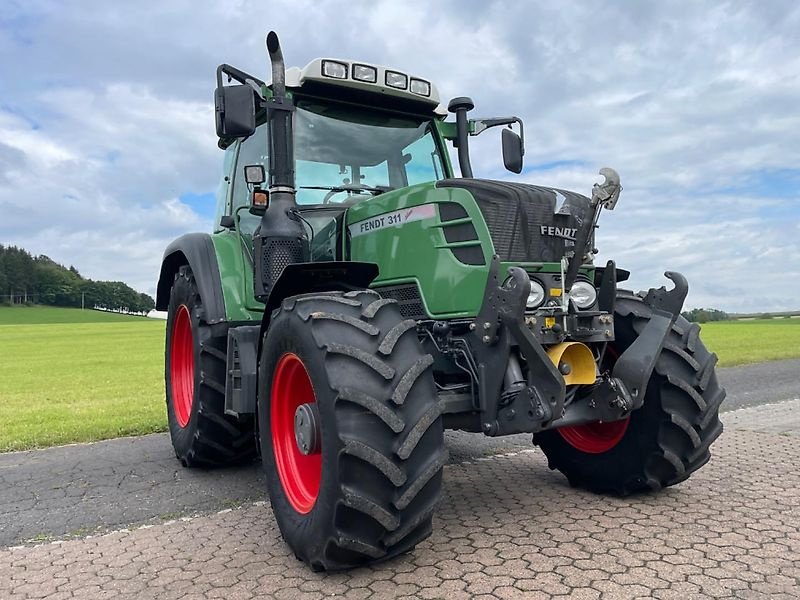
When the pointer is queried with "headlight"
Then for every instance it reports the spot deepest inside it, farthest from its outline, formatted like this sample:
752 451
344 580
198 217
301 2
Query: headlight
583 294
537 295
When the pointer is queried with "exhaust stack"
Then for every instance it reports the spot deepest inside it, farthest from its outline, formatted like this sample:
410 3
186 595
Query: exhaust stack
281 238
278 66
281 135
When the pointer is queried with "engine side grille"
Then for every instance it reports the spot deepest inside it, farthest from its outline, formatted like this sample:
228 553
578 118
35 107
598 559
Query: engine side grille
460 232
408 299
522 218
277 254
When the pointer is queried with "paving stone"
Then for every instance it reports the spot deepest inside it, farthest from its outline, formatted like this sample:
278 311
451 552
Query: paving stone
731 531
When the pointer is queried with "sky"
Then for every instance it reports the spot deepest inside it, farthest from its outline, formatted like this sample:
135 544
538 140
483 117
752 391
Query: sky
107 146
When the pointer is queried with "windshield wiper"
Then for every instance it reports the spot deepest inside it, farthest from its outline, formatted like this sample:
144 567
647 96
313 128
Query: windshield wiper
374 190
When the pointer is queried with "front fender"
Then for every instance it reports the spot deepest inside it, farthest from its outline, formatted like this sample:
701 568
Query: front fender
197 251
326 276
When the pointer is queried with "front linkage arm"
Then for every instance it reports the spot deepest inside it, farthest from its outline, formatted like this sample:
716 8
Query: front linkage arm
539 402
500 323
636 364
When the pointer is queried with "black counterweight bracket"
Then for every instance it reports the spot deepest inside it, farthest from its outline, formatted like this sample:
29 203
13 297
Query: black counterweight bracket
636 364
669 301
500 323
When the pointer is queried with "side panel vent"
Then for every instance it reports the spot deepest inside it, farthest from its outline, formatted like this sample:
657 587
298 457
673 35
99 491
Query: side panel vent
408 299
460 232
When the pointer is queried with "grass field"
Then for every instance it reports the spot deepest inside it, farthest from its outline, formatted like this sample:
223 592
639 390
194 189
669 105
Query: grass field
743 342
68 375
45 315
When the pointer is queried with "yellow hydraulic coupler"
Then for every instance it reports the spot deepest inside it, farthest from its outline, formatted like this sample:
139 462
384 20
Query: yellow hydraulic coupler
574 361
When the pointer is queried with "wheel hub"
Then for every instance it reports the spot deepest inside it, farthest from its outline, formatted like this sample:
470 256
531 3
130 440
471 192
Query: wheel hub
306 429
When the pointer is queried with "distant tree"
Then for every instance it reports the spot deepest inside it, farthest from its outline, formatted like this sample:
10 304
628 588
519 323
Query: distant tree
24 278
704 315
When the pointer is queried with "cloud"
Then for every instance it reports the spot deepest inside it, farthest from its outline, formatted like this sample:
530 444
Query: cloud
107 148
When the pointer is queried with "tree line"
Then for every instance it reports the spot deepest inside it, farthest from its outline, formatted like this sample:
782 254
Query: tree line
28 279
704 315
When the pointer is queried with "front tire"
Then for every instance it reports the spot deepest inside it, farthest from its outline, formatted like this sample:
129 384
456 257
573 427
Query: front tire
369 490
202 434
663 442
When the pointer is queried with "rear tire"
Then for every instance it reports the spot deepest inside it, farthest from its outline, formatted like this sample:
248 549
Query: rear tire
202 434
664 441
371 490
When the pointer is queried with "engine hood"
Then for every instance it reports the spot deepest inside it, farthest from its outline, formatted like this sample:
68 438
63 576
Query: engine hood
527 223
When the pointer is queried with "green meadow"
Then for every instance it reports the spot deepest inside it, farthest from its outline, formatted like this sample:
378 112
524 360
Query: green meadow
68 375
743 342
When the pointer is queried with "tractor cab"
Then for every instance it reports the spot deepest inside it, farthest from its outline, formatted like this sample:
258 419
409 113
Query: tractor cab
359 131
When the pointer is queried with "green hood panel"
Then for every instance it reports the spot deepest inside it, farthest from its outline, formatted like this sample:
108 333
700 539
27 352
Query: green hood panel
403 232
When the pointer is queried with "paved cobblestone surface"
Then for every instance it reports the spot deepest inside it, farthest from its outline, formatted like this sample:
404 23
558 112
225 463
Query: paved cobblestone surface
74 490
782 418
507 528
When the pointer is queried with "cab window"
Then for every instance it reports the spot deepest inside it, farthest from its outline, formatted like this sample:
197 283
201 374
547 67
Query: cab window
224 187
252 151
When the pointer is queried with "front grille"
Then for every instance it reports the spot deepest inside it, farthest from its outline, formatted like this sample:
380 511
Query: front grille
408 299
522 218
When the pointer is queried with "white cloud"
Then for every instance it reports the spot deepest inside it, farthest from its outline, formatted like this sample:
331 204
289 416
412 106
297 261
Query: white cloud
106 120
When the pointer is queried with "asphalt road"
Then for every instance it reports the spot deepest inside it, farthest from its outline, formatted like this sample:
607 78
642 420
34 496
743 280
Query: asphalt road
72 491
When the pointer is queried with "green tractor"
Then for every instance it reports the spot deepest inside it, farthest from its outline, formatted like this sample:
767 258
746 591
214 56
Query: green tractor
357 298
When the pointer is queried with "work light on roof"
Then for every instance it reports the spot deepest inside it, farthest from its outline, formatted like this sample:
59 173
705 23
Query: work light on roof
365 73
336 70
396 80
421 87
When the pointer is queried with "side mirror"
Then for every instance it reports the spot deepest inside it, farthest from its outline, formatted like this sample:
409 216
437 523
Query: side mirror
512 151
235 111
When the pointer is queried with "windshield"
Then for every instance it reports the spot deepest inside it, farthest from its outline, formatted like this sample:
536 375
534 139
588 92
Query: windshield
353 154
342 156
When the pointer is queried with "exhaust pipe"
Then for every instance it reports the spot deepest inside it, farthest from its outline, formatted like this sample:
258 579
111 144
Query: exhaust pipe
278 66
281 238
281 135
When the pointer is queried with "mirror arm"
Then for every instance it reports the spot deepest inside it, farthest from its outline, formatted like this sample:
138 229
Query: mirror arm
478 126
235 74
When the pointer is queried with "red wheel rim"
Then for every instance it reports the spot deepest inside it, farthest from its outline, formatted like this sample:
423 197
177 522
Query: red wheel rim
596 438
300 474
181 366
